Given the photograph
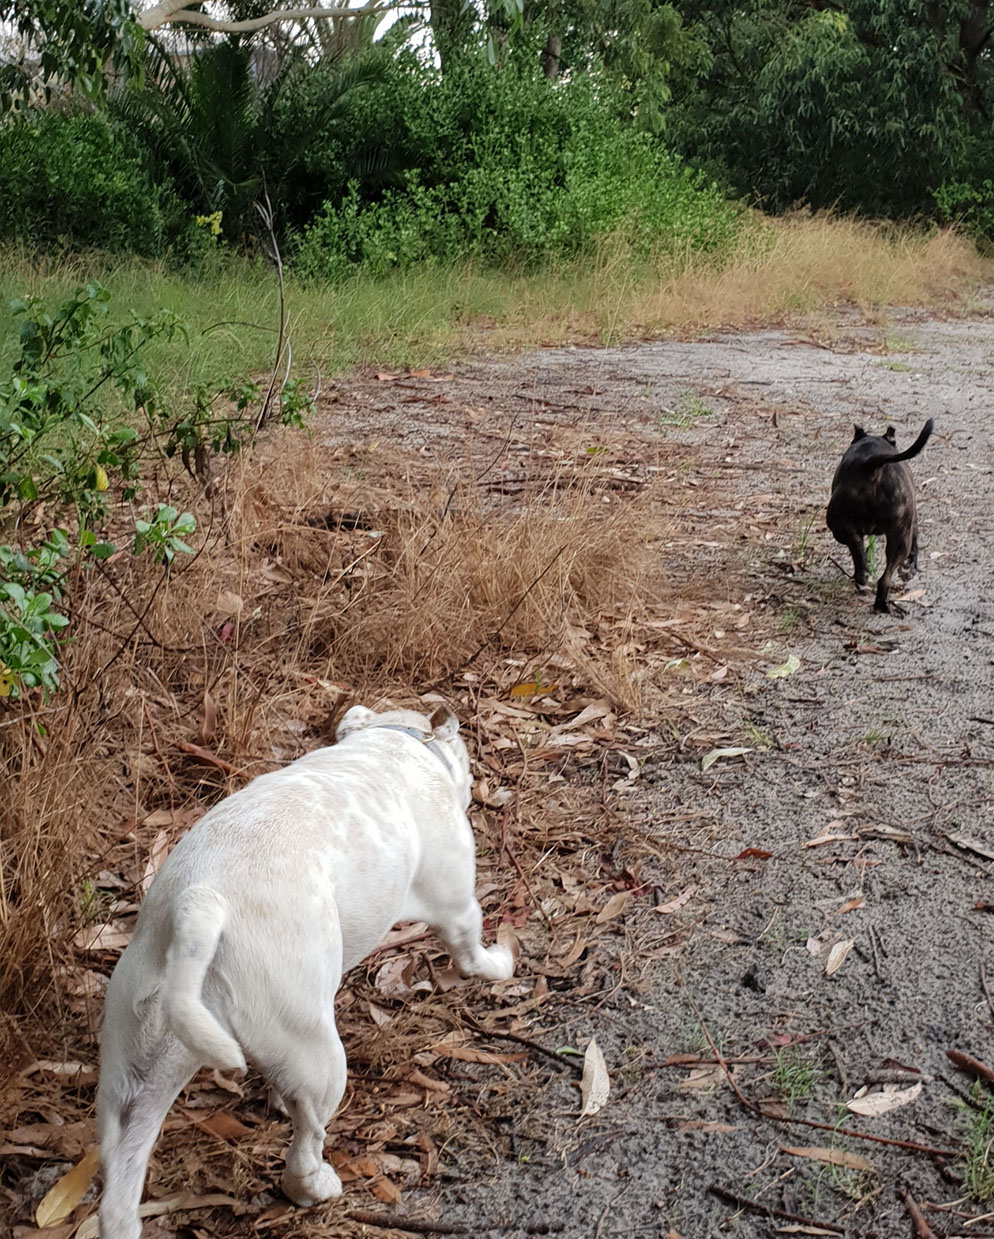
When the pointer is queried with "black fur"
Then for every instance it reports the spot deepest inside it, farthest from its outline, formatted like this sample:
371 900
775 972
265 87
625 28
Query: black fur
873 493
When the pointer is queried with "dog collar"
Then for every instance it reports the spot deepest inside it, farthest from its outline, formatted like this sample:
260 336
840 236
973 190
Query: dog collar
416 734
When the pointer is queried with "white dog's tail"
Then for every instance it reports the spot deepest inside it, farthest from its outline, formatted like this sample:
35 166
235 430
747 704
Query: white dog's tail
199 920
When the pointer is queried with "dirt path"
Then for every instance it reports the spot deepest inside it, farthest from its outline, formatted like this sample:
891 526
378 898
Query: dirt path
882 741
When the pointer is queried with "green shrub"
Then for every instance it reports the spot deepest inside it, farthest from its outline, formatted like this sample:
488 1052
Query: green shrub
77 180
969 204
506 165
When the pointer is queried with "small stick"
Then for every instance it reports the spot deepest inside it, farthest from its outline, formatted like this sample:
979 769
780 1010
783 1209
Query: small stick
910 1145
558 1059
743 1202
971 1066
922 1228
875 944
984 987
207 758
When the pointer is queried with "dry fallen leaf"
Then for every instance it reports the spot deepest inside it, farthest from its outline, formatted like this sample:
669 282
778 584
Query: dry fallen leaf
837 956
675 904
595 1086
158 1208
708 760
614 907
58 1203
891 1097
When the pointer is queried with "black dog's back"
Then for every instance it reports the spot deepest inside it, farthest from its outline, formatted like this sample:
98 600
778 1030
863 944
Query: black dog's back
871 452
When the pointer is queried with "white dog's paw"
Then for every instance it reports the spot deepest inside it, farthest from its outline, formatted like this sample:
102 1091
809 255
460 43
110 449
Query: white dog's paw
311 1189
496 963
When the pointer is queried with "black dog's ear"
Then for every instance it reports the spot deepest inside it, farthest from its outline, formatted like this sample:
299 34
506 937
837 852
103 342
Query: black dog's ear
858 433
890 434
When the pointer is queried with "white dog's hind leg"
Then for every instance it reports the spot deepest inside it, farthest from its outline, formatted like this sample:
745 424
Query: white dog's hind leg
131 1109
311 1082
461 932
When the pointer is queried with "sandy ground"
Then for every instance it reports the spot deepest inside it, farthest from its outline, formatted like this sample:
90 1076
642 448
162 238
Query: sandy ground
882 742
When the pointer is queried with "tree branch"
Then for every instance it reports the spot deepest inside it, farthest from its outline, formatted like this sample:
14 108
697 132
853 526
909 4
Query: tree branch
188 12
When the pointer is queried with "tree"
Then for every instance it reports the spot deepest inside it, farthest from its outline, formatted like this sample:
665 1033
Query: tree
865 104
73 41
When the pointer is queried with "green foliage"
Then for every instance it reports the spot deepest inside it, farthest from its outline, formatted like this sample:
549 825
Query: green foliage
79 413
163 534
74 40
506 165
971 205
864 105
75 179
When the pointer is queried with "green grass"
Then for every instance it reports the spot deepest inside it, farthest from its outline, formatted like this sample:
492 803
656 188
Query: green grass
978 1176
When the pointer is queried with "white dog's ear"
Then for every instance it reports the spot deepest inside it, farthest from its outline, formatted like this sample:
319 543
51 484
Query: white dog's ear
444 723
352 720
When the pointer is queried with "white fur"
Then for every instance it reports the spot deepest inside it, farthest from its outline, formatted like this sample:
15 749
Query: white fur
245 933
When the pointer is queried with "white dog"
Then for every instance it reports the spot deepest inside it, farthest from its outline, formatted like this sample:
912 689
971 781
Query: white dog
245 933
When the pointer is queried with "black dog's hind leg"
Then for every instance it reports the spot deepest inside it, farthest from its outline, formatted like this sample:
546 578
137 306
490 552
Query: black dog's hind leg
899 549
858 552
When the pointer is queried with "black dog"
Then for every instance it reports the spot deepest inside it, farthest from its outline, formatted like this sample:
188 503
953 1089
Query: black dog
872 493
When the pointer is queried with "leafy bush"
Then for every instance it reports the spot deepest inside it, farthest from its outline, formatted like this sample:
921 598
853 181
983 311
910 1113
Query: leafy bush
79 414
969 204
506 165
76 179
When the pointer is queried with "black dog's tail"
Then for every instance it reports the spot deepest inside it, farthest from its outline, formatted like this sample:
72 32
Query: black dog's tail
891 458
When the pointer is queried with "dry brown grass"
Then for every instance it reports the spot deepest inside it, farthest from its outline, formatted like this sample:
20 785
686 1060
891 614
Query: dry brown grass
797 263
253 647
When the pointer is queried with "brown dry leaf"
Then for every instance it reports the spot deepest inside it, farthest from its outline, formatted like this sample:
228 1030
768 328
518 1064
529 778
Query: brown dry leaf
675 904
383 1189
851 905
469 1053
208 725
58 1203
754 854
837 956
419 374
599 709
820 946
159 852
614 907
701 1078
181 1202
220 1124
891 1097
834 1157
595 1086
531 688
228 604
383 376
111 936
968 843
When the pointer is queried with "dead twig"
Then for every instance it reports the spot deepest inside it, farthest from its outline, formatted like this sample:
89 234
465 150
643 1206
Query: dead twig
206 758
972 1066
558 1059
743 1202
922 1228
984 987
